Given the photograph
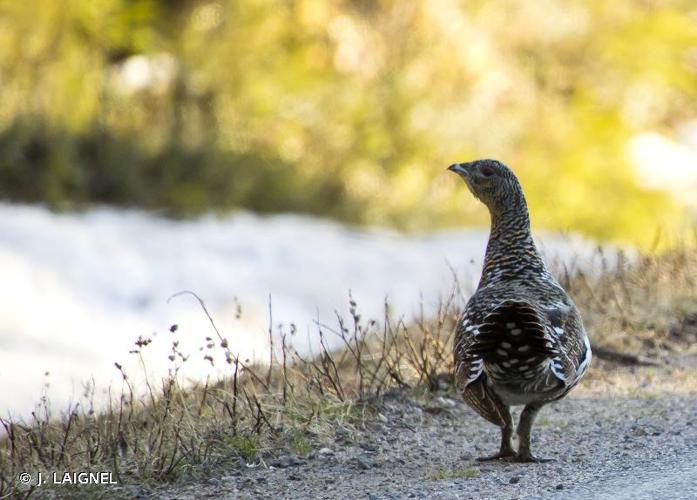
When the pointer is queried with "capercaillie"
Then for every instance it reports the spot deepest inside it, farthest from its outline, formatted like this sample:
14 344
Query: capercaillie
520 339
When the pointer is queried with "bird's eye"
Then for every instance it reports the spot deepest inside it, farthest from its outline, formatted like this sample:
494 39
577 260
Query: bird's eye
487 171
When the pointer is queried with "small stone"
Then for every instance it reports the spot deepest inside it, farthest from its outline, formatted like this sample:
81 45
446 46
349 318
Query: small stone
286 461
514 480
326 451
364 462
369 447
294 477
446 402
639 431
440 404
138 492
342 434
213 482
382 418
559 487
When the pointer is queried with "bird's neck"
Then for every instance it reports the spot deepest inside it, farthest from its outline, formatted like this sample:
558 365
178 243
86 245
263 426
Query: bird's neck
511 251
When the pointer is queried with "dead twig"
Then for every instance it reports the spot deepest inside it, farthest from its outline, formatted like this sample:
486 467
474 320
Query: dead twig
622 358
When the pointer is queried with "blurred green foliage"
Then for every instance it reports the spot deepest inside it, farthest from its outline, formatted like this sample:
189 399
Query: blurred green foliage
349 109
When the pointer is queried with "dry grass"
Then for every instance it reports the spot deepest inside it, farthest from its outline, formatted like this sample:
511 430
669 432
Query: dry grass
168 430
605 381
646 305
177 432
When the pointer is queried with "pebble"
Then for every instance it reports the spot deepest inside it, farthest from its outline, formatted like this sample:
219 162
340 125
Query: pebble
369 447
443 402
286 461
364 462
342 434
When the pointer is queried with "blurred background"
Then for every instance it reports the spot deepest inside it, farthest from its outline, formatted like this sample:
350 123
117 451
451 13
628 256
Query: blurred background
141 139
352 109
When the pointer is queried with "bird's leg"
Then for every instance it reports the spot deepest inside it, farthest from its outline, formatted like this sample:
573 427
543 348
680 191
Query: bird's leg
506 450
527 416
489 405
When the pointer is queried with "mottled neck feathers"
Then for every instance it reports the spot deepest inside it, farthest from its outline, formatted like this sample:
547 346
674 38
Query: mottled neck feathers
511 251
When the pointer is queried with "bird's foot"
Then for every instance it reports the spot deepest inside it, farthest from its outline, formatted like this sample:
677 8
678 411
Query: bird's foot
527 457
505 454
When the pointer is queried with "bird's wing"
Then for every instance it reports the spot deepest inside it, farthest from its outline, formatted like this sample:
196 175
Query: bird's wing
536 346
517 348
516 327
468 366
569 335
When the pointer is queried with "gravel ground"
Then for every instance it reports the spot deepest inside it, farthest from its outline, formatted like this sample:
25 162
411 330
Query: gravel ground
638 446
620 435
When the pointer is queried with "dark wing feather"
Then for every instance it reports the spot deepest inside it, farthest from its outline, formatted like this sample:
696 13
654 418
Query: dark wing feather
513 329
468 366
574 349
485 402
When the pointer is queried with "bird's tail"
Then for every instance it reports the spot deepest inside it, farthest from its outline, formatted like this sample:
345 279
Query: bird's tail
512 341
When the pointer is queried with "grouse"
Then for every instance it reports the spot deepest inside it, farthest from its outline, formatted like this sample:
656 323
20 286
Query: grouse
520 339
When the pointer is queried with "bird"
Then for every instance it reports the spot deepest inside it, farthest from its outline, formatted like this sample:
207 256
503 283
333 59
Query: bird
520 341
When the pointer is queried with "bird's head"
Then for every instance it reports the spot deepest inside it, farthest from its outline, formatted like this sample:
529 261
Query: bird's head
492 182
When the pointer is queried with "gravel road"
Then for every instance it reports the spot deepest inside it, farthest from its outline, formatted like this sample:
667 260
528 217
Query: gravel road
672 479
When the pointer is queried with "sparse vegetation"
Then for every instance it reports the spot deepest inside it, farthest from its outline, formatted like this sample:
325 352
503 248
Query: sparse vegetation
167 431
643 304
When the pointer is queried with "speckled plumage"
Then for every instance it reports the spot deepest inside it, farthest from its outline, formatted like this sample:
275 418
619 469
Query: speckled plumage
520 339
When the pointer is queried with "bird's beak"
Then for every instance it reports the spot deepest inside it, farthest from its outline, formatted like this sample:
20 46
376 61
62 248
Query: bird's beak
460 168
